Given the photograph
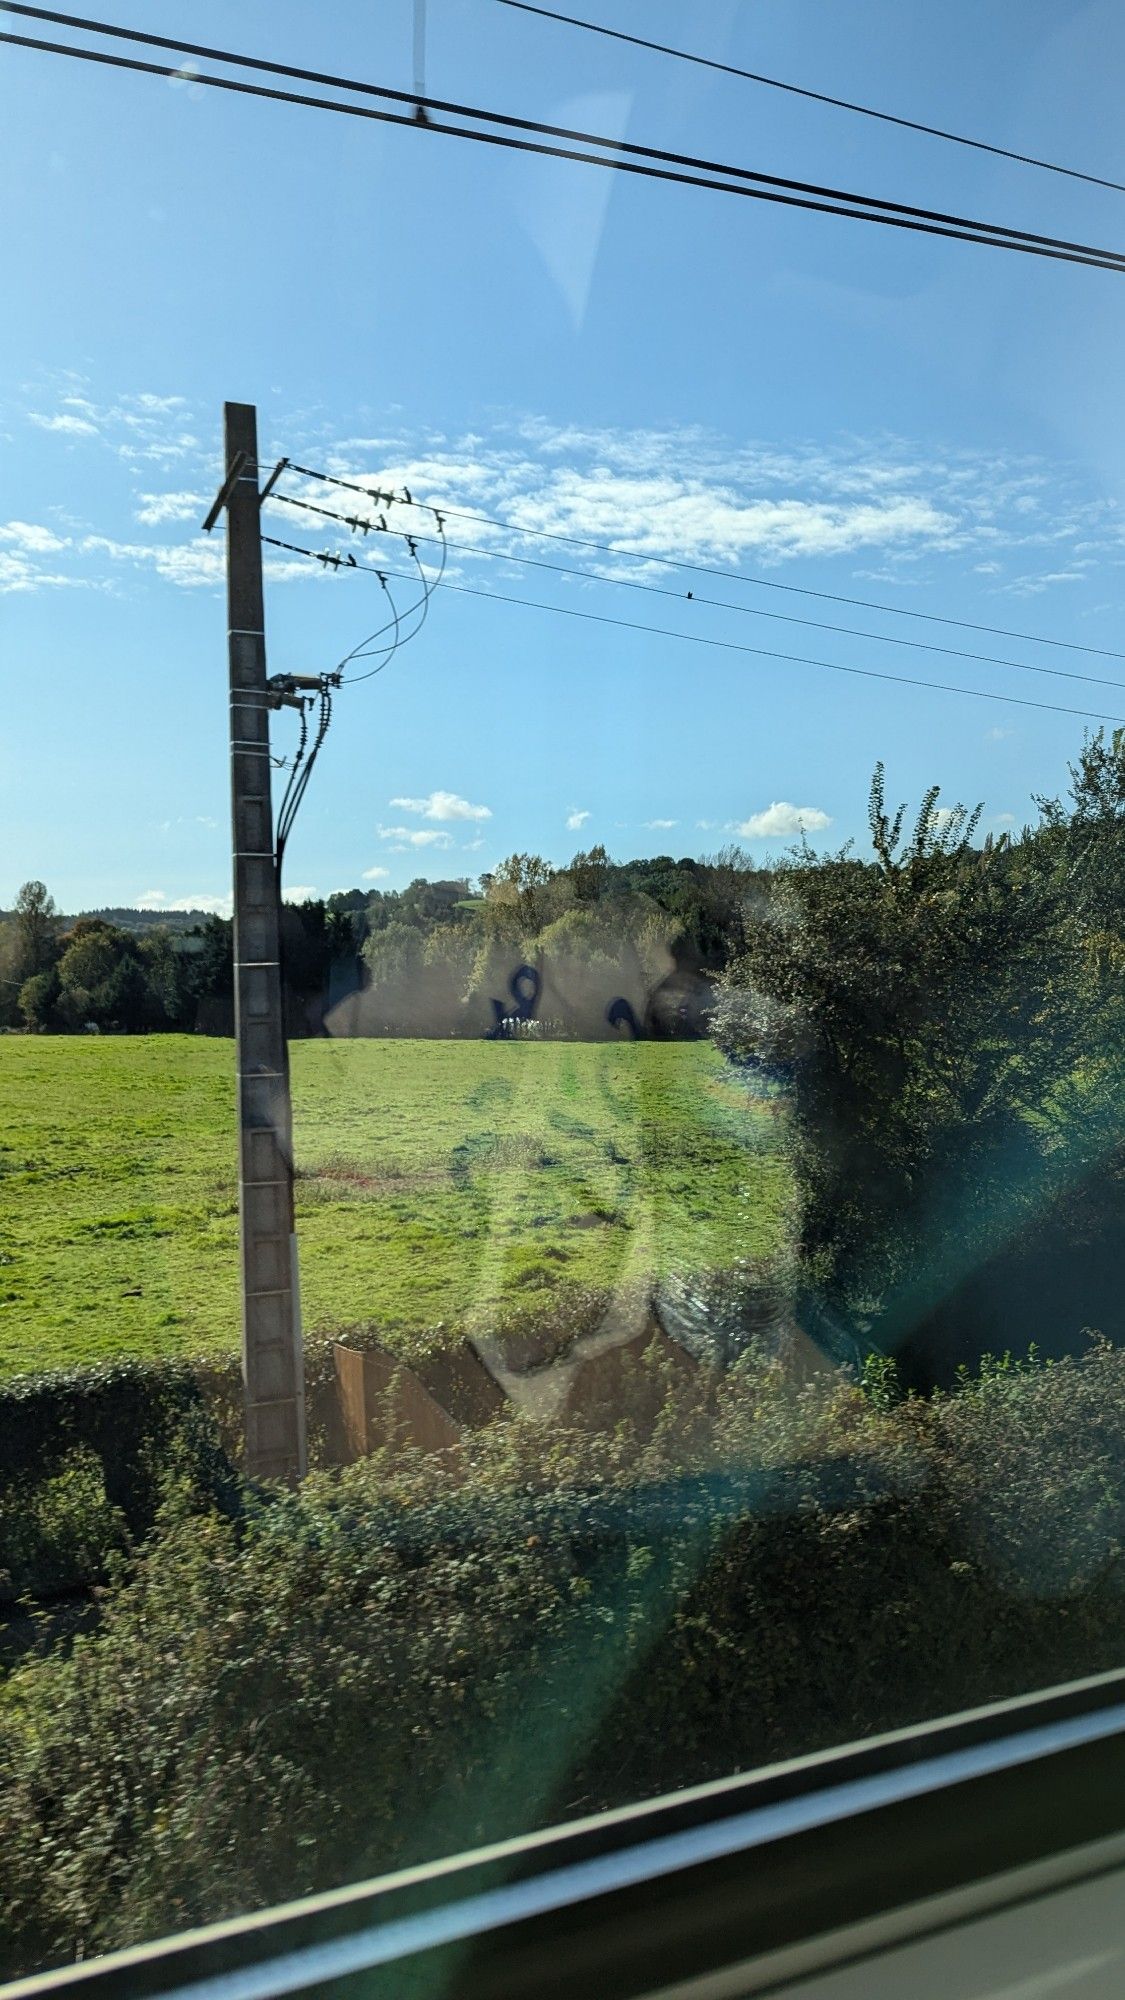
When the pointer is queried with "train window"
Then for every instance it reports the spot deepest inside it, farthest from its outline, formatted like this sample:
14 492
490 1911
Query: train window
562 950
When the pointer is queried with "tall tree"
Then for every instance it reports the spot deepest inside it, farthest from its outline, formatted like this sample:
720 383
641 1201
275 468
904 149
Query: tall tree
921 1003
37 923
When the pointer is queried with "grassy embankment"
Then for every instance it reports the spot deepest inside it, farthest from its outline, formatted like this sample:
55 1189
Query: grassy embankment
440 1183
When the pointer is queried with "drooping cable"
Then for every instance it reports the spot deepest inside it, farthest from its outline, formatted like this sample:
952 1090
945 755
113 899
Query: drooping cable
359 525
299 779
731 575
294 770
473 549
398 626
732 645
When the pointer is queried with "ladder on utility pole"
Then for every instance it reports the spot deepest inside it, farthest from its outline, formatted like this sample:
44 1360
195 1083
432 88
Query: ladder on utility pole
272 1353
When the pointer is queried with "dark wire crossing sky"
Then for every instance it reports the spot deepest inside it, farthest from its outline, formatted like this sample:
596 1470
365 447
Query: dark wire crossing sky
890 434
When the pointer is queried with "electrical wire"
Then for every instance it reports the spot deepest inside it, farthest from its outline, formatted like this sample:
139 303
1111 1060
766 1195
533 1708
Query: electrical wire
728 575
361 526
367 647
816 96
721 604
512 122
421 608
722 645
620 156
299 783
294 769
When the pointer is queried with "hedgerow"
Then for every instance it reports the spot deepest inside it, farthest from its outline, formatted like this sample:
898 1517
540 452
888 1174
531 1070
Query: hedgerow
399 1660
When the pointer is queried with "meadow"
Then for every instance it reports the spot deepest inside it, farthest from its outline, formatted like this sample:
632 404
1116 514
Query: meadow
441 1185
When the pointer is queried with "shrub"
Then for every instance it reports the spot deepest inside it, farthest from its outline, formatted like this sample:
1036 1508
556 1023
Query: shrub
398 1661
124 1426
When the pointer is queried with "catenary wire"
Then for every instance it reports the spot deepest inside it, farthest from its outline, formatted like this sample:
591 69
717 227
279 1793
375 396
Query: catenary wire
514 123
358 526
816 96
304 760
713 603
367 647
401 639
738 180
429 585
331 561
420 608
728 575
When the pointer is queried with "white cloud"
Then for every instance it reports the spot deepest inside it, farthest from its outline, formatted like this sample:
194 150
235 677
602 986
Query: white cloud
299 893
1034 584
212 906
33 539
140 427
658 494
576 821
443 805
18 573
998 735
687 494
22 545
65 423
781 821
190 565
152 899
1003 819
412 836
660 825
375 874
156 508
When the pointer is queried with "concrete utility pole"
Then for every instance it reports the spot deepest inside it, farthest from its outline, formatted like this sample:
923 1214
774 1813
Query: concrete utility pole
272 1352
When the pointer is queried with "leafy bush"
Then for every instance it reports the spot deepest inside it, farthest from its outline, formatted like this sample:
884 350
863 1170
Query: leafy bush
85 1455
398 1661
948 1017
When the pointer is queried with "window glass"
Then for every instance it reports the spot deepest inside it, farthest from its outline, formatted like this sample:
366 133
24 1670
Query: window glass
642 1296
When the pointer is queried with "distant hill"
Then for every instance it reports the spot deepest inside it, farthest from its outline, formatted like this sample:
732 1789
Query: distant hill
137 922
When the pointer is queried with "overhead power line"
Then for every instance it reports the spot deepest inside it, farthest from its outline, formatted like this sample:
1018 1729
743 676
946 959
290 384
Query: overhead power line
358 525
618 155
816 96
332 561
728 575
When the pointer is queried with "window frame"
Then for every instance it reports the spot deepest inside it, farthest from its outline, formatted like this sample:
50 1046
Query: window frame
753 1880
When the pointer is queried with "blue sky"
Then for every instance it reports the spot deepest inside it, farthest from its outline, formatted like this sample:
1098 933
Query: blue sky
812 401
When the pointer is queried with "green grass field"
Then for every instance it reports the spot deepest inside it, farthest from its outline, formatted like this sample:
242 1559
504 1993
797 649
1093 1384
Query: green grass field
440 1183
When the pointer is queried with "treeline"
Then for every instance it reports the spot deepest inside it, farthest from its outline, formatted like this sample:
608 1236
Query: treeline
596 947
70 976
947 1021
